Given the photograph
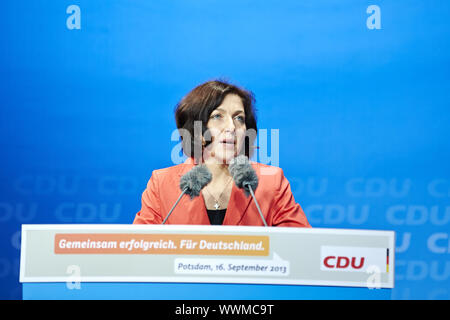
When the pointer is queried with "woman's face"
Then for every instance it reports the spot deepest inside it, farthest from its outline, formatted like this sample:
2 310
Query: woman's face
227 127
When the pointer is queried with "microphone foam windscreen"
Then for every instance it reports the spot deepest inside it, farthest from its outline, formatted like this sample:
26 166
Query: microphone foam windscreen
243 174
195 180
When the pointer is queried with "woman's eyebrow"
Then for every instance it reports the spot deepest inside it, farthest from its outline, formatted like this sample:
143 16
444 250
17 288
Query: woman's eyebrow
239 111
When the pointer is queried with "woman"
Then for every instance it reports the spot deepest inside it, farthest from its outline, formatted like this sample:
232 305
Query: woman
219 117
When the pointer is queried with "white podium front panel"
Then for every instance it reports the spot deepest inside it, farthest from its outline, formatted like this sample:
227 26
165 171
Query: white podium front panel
214 254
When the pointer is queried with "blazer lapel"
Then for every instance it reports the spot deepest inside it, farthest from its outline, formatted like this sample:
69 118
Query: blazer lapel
237 206
239 202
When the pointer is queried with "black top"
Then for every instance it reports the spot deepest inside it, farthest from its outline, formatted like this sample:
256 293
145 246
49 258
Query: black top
216 216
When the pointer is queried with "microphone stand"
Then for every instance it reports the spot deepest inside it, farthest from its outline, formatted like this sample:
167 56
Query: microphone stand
256 202
170 212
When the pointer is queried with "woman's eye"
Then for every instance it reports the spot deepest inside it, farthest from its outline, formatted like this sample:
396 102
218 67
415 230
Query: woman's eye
216 116
240 118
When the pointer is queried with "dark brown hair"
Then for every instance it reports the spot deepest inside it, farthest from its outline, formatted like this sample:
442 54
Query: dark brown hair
198 105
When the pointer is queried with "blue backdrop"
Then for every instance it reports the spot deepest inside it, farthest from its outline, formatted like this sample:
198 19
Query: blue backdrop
359 91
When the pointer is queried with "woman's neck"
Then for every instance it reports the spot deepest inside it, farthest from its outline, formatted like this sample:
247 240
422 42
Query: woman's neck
219 171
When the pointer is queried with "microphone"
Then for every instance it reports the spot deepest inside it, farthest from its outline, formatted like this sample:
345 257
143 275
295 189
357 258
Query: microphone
192 183
245 178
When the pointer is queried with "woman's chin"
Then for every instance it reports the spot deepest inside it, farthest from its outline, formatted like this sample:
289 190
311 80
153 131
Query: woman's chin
225 156
222 154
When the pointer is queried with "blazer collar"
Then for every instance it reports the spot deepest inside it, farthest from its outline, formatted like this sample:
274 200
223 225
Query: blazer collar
237 206
186 166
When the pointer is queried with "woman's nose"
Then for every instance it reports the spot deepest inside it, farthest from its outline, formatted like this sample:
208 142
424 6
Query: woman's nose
230 126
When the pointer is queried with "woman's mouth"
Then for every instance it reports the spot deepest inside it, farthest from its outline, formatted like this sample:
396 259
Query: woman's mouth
228 143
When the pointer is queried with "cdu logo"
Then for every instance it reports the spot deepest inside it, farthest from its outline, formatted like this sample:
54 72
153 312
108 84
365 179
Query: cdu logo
343 262
354 259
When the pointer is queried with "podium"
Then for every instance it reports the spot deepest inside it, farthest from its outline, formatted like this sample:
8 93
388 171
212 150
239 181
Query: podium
187 262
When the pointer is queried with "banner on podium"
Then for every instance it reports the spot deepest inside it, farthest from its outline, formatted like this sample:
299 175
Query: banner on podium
214 254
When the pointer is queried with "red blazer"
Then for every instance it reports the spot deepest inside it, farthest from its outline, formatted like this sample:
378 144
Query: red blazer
273 194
